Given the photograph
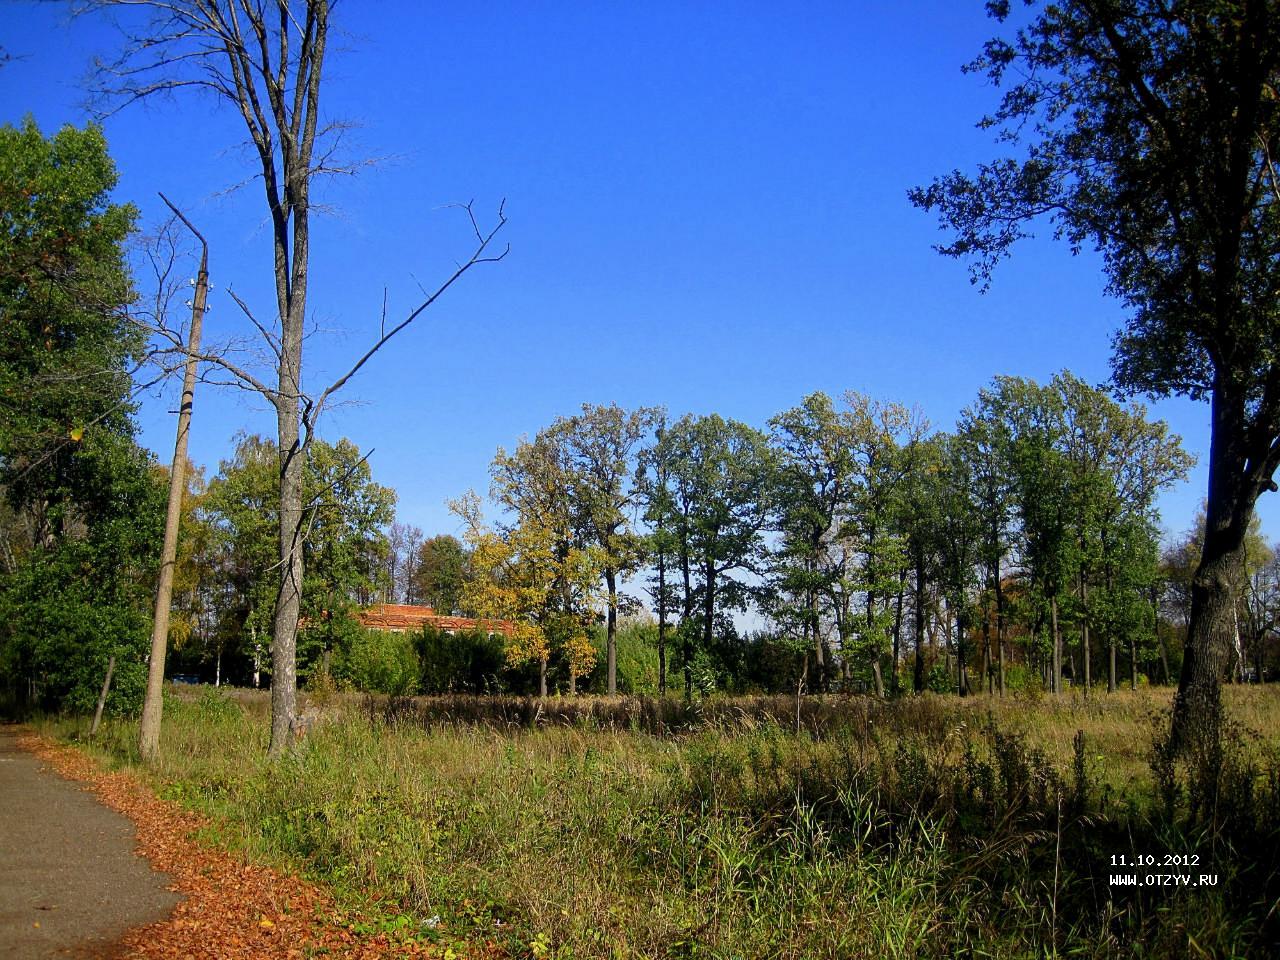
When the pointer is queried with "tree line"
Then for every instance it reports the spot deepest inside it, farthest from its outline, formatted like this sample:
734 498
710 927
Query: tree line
868 546
842 545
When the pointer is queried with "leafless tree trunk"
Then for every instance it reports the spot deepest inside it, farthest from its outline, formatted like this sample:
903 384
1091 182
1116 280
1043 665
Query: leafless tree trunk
266 58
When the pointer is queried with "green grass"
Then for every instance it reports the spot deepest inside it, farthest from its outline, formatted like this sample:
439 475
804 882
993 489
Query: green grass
926 827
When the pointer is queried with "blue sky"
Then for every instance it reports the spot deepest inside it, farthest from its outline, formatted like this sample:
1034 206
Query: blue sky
707 210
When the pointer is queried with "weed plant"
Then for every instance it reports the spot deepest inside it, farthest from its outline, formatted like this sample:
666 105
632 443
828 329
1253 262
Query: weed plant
626 827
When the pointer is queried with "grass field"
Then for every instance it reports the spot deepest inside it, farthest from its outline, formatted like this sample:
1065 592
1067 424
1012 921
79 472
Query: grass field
923 827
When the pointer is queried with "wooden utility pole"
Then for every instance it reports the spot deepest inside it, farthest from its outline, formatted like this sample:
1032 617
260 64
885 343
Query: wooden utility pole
149 736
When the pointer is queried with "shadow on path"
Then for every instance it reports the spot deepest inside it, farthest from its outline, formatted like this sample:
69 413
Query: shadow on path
70 881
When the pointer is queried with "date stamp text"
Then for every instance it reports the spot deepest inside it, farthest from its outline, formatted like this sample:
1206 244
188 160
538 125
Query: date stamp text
1160 870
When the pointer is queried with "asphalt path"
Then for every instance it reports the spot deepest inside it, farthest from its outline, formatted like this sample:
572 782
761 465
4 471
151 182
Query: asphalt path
70 882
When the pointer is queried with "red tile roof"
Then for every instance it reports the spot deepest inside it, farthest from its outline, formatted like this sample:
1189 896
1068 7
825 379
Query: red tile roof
408 616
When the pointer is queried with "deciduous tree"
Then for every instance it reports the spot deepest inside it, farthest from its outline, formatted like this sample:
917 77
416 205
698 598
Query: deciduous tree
720 473
440 573
599 449
1149 130
814 480
82 506
344 513
267 61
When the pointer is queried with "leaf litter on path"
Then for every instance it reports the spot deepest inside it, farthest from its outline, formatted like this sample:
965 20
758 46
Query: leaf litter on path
231 910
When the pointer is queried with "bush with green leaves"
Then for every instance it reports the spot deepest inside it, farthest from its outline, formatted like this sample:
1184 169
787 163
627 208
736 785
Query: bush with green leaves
377 661
468 662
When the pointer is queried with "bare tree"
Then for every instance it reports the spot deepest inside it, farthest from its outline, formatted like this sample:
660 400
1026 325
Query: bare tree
266 58
406 539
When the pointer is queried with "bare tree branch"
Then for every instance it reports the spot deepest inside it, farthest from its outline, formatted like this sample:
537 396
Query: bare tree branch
478 256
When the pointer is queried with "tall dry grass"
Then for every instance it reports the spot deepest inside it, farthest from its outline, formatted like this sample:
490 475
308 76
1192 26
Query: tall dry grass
924 827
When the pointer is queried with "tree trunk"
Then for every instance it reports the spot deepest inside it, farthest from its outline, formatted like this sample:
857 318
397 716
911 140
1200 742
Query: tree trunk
708 606
985 684
611 629
1084 636
1111 644
917 676
1208 648
1234 486
291 288
999 590
877 679
102 697
819 654
284 637
894 684
686 621
542 678
1133 663
662 624
1057 644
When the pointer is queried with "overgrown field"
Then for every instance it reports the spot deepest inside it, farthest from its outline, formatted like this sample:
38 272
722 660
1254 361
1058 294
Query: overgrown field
925 827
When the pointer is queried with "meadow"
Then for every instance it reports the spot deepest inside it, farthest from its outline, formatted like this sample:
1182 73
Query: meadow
738 828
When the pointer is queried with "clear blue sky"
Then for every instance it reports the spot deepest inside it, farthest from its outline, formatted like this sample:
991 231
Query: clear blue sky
707 211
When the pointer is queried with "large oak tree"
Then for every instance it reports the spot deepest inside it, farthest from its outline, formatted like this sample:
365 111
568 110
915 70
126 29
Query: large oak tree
1147 129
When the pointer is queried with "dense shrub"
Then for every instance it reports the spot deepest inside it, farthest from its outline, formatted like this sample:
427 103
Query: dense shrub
377 661
460 662
58 638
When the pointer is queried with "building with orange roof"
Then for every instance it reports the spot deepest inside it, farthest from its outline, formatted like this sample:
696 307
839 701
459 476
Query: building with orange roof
403 617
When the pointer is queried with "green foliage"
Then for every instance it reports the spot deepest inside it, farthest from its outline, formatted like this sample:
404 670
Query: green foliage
440 574
637 644
82 524
1019 679
813 484
67 347
377 661
637 657
467 662
345 512
715 501
240 513
1149 130
939 679
1136 127
61 631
